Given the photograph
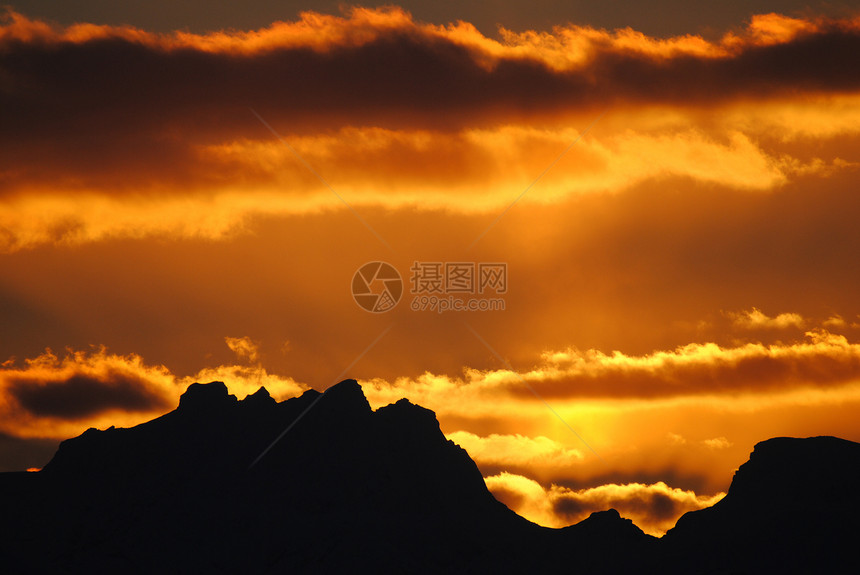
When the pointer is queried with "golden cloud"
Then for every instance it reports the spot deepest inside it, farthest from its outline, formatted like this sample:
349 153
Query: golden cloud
653 507
49 396
564 48
59 397
244 347
504 160
822 360
756 319
244 380
717 443
177 153
516 450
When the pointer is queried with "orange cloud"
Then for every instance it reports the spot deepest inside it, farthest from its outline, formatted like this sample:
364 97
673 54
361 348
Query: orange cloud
770 29
755 319
653 507
58 397
243 381
563 48
395 170
244 347
507 158
823 360
516 450
717 443
172 150
834 322
78 388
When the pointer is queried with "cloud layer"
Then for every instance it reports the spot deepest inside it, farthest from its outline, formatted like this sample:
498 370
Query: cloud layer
654 508
116 131
56 397
823 360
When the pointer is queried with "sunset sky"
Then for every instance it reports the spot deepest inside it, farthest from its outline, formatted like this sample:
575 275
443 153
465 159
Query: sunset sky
187 191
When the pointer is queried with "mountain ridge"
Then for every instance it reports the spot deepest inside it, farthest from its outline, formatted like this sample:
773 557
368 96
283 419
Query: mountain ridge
348 487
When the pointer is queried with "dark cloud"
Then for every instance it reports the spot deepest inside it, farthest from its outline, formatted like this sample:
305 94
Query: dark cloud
810 63
658 17
573 507
112 110
655 503
739 369
642 473
80 396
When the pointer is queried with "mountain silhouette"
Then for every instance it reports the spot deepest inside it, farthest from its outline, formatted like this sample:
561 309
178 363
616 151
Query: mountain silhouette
792 508
343 488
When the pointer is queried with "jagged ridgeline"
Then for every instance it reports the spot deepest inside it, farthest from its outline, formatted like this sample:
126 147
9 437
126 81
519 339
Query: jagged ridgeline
349 489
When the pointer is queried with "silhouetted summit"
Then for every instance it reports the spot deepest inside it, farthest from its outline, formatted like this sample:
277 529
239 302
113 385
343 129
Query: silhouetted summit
792 508
206 397
343 488
260 399
608 524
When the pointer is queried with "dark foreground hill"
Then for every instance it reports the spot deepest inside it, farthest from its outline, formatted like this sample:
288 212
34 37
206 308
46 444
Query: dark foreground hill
347 489
794 507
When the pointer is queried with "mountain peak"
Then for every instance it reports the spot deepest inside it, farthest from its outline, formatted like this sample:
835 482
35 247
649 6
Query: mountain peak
348 396
261 397
608 523
786 465
203 397
793 447
610 514
802 488
411 419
